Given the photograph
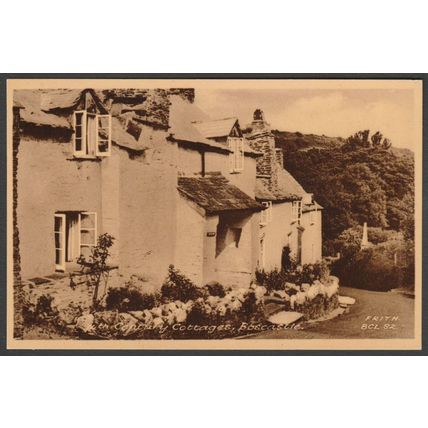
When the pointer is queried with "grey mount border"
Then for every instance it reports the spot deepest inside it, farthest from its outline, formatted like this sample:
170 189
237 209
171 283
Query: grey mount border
324 76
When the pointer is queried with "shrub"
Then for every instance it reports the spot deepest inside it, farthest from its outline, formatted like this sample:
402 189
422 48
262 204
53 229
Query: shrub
380 267
215 289
251 308
179 287
130 299
273 280
369 269
199 314
308 273
43 310
311 272
95 267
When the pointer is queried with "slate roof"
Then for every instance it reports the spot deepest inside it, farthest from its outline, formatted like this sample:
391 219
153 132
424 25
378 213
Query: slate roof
130 109
216 128
59 98
311 207
31 111
123 138
215 194
181 128
262 192
148 106
187 123
288 186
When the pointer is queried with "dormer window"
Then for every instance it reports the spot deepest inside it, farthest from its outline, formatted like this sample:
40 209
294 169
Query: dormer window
296 211
266 214
92 134
236 157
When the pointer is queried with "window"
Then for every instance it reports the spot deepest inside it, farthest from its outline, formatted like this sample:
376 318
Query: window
92 134
235 236
79 133
59 236
296 211
75 234
88 232
266 214
103 134
236 158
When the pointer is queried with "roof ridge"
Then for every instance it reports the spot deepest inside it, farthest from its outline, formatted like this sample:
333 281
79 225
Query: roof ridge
214 120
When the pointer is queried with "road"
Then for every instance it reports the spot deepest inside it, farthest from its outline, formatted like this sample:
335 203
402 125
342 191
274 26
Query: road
360 321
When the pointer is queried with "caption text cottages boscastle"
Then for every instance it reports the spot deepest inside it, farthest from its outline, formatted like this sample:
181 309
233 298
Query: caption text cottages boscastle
170 184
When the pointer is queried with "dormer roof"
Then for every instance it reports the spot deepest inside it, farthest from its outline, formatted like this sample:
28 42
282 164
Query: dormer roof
218 128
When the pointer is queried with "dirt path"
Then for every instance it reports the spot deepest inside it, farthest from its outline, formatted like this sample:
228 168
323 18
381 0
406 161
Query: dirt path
360 321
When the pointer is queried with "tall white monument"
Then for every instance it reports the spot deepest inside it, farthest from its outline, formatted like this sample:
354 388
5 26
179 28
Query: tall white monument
365 240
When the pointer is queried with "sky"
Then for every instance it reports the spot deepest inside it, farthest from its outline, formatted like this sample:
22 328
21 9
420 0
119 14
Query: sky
332 112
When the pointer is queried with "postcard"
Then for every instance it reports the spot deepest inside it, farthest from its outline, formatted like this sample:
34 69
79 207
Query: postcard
214 214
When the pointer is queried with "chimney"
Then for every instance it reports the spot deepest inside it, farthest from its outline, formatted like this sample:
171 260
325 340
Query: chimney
279 156
262 140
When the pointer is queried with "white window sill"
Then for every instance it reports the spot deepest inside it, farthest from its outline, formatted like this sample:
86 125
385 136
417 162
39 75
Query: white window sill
83 158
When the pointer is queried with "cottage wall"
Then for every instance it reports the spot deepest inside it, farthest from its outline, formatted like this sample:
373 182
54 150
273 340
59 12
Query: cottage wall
190 162
209 248
148 192
189 247
49 180
276 235
234 265
245 180
311 238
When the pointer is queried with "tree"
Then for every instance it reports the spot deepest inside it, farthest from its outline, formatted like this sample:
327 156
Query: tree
95 267
359 139
376 139
386 144
355 181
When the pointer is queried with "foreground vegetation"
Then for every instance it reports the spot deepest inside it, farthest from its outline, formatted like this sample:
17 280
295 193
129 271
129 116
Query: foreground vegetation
180 309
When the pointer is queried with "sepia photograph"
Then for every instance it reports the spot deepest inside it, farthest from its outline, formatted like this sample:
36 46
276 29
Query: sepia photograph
214 214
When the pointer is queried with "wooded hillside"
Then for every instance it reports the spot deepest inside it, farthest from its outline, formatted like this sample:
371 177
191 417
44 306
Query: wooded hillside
361 178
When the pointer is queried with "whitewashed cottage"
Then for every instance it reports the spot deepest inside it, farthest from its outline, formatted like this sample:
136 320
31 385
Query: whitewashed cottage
172 185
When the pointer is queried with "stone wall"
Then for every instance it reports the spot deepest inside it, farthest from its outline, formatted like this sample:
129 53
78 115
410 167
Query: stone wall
279 155
17 286
262 140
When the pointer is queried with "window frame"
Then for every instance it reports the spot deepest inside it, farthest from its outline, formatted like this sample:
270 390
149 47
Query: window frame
296 211
84 151
60 266
97 139
237 155
84 147
88 229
